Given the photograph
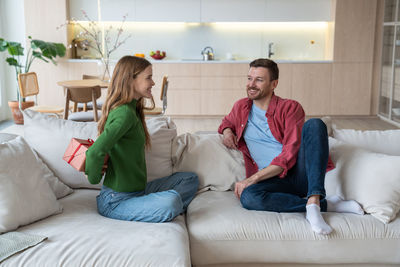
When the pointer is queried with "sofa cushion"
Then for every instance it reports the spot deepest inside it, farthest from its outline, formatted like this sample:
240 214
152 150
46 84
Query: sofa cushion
162 131
81 237
25 195
372 179
387 142
50 136
221 231
218 167
58 187
4 137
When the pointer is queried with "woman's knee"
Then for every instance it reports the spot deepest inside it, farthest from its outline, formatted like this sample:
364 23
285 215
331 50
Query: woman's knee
171 206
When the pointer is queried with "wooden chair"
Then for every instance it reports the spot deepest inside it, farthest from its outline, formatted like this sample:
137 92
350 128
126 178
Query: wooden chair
29 86
89 105
155 111
82 95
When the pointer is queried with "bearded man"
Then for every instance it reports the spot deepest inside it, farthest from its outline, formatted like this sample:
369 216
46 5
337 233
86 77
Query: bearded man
285 157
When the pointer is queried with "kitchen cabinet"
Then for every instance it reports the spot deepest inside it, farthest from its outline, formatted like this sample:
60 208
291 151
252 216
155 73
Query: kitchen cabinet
389 96
265 10
164 11
233 10
298 10
89 6
111 10
204 10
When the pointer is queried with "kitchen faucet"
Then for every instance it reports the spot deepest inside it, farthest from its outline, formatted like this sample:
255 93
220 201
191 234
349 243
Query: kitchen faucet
270 53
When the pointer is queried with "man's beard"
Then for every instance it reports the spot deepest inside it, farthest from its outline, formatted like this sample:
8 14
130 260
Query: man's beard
260 94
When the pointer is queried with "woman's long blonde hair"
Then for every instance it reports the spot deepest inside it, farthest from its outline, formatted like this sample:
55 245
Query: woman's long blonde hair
120 90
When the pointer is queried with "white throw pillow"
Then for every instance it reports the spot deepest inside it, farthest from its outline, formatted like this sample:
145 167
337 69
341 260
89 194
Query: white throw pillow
218 167
25 196
162 131
50 136
58 187
387 142
372 179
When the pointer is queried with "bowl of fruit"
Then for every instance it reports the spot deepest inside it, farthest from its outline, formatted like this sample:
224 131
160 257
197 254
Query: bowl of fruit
158 55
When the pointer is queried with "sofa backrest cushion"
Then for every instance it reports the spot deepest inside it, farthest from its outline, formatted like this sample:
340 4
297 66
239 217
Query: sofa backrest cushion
50 136
25 195
218 167
59 188
372 179
162 132
387 142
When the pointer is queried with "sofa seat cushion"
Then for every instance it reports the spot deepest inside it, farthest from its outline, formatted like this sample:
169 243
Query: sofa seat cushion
81 237
221 231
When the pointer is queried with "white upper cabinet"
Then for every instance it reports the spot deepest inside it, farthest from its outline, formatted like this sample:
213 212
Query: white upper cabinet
298 10
89 6
232 10
205 10
112 10
171 10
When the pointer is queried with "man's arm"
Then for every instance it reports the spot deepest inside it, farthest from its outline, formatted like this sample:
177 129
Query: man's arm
230 140
266 173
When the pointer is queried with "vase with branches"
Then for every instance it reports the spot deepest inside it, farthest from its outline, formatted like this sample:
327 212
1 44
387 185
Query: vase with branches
100 39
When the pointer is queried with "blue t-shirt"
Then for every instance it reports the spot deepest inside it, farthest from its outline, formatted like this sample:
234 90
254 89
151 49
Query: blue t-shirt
261 143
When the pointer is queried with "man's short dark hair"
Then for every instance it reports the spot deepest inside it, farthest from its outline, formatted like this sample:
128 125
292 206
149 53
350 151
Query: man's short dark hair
268 64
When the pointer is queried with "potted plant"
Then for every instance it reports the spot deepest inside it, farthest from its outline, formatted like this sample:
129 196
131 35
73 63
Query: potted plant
46 51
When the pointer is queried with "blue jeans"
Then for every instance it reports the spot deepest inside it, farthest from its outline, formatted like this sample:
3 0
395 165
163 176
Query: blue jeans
162 200
306 178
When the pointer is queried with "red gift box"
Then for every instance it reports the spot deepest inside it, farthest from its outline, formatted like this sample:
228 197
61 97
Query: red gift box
75 154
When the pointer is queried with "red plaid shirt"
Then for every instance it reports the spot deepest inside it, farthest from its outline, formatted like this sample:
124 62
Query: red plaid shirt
285 119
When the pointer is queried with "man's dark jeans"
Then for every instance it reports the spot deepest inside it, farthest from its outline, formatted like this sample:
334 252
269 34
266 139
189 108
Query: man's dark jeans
306 178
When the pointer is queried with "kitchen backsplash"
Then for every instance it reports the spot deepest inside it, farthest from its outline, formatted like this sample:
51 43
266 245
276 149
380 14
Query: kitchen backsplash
237 40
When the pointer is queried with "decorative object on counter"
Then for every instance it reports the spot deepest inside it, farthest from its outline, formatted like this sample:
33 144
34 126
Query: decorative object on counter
78 45
158 55
229 56
46 51
208 53
100 39
139 55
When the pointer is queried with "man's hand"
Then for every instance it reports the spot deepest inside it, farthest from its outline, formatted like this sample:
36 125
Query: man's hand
230 140
240 186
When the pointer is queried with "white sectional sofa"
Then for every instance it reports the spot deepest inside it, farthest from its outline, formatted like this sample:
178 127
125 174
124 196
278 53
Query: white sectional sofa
216 231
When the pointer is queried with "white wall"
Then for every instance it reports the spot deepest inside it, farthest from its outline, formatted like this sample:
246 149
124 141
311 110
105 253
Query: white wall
12 28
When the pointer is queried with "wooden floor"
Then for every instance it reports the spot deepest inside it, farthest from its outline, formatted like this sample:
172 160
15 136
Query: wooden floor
210 124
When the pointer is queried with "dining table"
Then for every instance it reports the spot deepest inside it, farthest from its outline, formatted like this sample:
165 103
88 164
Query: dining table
83 83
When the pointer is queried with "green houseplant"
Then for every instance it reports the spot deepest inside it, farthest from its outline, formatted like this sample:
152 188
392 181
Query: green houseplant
46 51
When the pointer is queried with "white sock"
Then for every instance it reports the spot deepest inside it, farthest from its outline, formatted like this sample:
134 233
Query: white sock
337 204
318 223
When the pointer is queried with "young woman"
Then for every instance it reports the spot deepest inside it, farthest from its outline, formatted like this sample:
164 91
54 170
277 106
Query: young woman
123 135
